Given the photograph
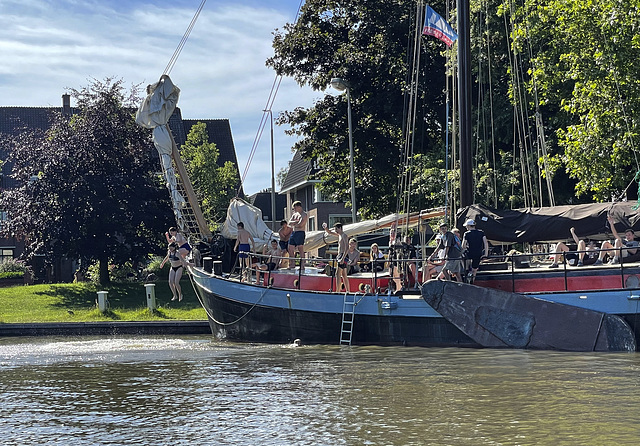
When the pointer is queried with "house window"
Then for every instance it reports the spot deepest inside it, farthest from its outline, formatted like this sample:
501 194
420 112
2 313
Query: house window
311 224
318 196
345 219
6 254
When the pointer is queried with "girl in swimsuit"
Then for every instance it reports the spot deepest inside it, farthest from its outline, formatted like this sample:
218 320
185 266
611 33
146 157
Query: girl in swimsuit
175 272
174 236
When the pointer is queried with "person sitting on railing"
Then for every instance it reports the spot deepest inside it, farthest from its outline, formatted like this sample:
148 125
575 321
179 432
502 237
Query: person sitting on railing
353 257
409 251
270 260
435 266
376 260
621 248
587 255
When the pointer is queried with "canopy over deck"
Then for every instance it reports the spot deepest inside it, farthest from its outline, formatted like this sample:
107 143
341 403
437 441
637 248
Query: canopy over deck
548 224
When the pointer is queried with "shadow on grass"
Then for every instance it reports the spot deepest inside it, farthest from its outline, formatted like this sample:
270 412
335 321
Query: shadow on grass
109 315
130 295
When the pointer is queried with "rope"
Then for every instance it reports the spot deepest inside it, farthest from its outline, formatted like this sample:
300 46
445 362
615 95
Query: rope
265 112
183 41
224 324
263 122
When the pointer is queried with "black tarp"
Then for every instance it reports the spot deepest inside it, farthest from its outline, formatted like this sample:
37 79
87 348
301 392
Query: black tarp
551 223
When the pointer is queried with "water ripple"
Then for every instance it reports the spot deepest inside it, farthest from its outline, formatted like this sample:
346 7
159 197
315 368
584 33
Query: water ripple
193 390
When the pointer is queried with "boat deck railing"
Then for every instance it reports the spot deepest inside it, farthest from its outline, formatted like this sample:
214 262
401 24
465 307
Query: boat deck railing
521 267
314 266
516 272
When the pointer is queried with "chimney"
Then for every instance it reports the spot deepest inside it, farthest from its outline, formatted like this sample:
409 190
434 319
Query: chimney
66 105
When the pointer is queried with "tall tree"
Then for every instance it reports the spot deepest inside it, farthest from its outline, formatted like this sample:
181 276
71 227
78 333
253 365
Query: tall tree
368 44
586 66
87 187
215 184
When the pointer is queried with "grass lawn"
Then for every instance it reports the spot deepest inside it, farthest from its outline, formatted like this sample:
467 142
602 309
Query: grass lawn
77 302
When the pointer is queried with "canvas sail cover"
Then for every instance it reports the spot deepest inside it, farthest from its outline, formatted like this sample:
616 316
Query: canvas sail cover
547 224
154 113
251 216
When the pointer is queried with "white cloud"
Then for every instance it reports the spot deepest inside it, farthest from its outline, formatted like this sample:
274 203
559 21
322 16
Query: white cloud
50 46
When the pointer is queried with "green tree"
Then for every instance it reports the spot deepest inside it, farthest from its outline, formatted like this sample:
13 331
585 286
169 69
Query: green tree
215 185
586 67
368 44
87 188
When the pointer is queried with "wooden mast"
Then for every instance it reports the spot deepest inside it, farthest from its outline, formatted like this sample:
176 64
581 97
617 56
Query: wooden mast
464 103
188 188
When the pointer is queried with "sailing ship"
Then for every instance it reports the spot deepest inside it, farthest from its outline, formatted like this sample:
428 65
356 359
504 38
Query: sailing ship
303 305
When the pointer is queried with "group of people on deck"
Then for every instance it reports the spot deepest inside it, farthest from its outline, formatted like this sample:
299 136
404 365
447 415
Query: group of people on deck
590 254
291 241
449 252
452 253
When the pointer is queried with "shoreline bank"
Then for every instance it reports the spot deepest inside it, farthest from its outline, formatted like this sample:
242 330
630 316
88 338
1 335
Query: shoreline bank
109 328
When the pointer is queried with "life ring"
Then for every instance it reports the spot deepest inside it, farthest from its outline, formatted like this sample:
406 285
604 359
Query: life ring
361 286
296 282
633 281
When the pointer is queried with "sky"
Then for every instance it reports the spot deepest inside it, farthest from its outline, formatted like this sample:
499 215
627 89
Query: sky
48 46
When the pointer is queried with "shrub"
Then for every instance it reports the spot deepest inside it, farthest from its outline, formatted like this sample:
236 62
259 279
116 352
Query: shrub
13 265
153 267
11 275
117 273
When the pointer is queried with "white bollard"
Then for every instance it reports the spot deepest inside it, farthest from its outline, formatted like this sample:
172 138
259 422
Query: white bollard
102 300
151 295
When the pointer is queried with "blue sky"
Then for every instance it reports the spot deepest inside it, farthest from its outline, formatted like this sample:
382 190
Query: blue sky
47 46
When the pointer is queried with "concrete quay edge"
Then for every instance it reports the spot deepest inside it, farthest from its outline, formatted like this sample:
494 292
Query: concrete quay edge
105 328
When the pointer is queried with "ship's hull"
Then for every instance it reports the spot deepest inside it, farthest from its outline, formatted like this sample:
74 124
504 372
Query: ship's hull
251 313
255 313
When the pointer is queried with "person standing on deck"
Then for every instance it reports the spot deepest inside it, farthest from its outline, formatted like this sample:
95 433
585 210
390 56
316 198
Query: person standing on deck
244 246
452 254
477 246
284 234
298 223
341 258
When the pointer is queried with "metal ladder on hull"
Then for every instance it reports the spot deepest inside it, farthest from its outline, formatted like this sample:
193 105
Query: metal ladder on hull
348 314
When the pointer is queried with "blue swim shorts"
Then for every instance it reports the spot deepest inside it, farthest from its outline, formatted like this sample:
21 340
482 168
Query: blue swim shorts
297 238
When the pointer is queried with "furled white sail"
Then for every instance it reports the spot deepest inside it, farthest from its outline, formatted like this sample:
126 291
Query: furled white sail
154 113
